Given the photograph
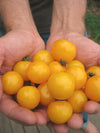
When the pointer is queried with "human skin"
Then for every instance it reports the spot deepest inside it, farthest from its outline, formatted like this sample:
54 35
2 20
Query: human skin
22 39
68 23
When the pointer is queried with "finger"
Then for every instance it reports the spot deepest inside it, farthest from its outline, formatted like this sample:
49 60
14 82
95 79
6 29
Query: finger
49 44
92 107
10 108
41 120
90 128
40 46
44 113
59 128
76 121
62 128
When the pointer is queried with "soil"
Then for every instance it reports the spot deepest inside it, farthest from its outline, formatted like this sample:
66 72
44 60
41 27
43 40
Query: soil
93 6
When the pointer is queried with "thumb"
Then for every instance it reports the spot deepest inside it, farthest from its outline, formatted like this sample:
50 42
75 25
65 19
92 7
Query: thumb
49 44
40 45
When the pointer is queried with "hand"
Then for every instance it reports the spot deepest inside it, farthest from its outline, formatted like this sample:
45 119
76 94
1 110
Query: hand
88 52
75 122
63 128
13 47
92 107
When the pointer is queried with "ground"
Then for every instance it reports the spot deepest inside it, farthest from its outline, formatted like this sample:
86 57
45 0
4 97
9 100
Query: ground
92 20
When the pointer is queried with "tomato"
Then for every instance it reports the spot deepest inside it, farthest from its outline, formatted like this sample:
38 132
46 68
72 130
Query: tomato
61 85
75 63
93 71
79 74
92 88
21 67
63 50
38 72
78 100
28 97
56 67
43 55
12 82
45 97
59 112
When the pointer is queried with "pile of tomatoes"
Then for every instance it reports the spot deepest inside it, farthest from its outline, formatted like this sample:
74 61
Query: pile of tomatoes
55 80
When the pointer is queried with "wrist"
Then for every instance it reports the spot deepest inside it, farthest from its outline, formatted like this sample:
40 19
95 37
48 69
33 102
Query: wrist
68 16
18 16
71 27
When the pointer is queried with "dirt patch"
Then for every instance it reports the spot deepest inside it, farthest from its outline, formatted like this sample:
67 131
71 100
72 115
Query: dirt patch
93 6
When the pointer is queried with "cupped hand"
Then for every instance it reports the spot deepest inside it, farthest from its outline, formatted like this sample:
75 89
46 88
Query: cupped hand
92 107
88 52
74 122
14 46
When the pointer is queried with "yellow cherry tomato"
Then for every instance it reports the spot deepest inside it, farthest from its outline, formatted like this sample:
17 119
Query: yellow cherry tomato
78 100
61 85
75 63
56 67
21 67
59 112
43 55
45 96
28 97
63 50
38 72
93 71
92 88
79 74
12 82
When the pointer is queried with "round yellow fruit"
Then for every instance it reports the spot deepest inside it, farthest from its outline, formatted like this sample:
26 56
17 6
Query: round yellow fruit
61 85
28 97
59 112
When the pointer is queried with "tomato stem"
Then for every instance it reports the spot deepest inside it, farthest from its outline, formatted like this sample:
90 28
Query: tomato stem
91 74
63 63
26 58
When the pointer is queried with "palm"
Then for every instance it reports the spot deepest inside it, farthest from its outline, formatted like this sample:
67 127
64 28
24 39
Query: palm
16 45
24 116
88 52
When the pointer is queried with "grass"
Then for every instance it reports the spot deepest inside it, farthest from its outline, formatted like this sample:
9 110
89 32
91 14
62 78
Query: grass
92 21
93 26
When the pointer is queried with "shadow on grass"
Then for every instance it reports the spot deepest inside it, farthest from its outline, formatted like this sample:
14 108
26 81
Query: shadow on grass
92 22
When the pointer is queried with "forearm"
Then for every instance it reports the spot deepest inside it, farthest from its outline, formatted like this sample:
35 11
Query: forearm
16 14
68 16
